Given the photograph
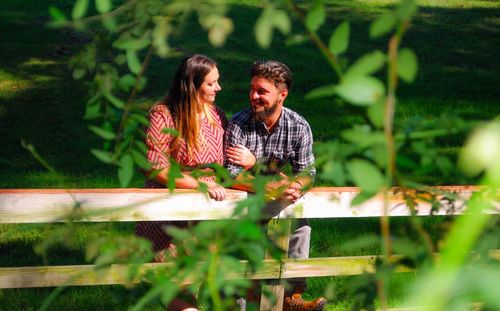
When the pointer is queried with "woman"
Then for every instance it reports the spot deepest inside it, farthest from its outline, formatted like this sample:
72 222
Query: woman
189 109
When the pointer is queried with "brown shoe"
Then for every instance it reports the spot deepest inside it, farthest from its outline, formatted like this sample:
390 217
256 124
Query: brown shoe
297 303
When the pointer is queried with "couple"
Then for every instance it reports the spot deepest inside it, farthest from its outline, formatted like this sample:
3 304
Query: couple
266 134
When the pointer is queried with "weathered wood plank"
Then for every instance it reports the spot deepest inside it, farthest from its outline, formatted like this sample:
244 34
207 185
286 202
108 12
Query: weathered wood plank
77 275
42 206
53 205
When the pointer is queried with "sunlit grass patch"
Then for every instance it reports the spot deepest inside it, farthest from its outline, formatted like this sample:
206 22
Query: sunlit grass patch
39 62
10 87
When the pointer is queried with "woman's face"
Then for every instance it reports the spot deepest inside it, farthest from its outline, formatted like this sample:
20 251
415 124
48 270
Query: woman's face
209 87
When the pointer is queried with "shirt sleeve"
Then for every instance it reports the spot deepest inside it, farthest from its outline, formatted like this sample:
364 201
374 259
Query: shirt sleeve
222 117
232 137
157 141
304 157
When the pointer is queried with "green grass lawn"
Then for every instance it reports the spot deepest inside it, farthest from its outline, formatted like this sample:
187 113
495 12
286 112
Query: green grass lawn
456 42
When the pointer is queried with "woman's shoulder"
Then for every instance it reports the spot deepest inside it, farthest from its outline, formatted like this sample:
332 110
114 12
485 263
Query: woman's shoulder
160 111
218 110
159 107
219 114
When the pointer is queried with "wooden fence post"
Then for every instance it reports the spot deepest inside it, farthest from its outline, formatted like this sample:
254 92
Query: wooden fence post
279 231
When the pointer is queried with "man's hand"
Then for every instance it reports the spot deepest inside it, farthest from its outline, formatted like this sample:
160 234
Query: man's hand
293 192
241 155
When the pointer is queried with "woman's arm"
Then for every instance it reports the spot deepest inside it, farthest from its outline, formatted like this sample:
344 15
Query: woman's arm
186 181
158 142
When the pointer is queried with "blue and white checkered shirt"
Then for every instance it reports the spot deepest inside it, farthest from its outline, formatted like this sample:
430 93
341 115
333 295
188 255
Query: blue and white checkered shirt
289 143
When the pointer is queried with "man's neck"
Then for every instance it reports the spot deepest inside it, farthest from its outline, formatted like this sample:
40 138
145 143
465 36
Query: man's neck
273 120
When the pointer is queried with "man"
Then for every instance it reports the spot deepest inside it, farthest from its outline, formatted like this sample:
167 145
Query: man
263 139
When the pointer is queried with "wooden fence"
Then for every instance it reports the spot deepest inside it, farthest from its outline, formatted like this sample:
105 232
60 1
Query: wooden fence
19 206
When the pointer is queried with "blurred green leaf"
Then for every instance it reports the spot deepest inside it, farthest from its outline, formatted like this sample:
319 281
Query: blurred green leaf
118 103
134 64
130 126
281 21
362 197
126 170
407 65
383 25
406 9
133 44
361 90
171 131
103 6
219 31
378 154
376 113
339 41
296 39
120 59
56 14
333 171
269 19
78 73
174 172
160 37
109 23
104 133
79 9
367 64
322 91
481 149
405 162
92 111
126 82
249 230
141 83
264 29
140 159
104 156
141 146
362 137
316 16
365 175
140 118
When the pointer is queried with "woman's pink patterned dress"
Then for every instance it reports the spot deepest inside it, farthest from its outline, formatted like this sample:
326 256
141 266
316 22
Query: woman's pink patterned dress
160 152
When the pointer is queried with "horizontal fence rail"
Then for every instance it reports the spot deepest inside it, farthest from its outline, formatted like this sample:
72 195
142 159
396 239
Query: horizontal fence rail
42 206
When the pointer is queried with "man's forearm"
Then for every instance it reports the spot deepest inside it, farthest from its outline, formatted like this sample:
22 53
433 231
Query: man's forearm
244 182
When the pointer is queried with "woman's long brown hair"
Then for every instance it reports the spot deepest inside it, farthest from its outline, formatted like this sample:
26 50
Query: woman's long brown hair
182 98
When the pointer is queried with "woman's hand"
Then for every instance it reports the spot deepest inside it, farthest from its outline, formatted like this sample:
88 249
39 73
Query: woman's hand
240 155
216 191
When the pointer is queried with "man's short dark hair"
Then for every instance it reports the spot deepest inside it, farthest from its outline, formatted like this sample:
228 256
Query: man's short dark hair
273 70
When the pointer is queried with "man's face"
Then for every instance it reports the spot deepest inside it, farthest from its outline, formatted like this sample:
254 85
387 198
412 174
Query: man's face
266 99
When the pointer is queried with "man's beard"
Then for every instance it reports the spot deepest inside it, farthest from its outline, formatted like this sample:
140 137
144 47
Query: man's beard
264 114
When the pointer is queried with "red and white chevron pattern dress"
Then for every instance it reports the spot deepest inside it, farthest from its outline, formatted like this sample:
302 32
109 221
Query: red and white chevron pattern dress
160 152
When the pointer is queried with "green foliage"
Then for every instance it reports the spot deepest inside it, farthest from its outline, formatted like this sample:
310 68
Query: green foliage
269 19
80 9
361 90
383 24
316 16
407 65
339 41
371 155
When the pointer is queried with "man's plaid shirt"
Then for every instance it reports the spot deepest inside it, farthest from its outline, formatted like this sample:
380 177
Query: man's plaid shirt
289 143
